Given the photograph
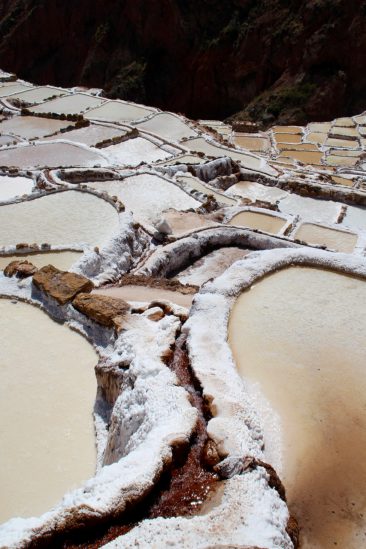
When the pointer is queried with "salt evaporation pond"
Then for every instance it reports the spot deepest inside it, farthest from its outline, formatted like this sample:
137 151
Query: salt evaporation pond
61 260
70 104
299 335
63 218
197 185
261 221
50 155
135 151
147 196
256 191
10 187
30 127
168 126
118 111
199 144
310 209
340 241
47 390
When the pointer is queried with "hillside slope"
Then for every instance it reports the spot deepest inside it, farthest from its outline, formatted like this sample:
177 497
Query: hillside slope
287 60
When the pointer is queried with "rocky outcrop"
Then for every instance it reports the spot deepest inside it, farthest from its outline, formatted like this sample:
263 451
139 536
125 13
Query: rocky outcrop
20 268
60 285
107 311
279 60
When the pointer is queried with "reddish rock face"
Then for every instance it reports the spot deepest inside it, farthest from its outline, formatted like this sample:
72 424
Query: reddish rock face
107 311
60 285
279 60
20 268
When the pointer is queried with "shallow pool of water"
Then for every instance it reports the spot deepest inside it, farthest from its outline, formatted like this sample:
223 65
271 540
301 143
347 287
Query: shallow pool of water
69 217
311 158
201 145
310 209
259 144
50 155
117 111
62 260
168 126
255 220
47 393
37 95
71 104
147 196
256 191
299 336
10 187
135 151
30 127
339 241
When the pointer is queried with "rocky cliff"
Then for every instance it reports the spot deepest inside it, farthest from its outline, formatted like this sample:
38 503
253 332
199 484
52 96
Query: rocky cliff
286 60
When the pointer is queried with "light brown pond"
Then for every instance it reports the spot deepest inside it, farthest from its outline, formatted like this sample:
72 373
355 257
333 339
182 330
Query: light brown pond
258 144
304 156
47 394
340 241
62 260
255 220
32 126
51 155
287 138
299 334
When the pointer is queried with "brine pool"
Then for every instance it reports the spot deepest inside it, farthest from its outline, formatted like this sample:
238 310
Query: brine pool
298 335
47 394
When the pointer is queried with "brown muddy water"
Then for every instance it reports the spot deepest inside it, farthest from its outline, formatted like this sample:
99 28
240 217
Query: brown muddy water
340 241
47 394
254 220
299 334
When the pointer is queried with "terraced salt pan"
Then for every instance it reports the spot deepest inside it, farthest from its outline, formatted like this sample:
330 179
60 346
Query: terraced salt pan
135 151
322 127
117 111
72 104
196 184
182 223
211 265
298 335
287 138
14 88
91 135
61 260
297 147
256 191
47 392
333 239
311 158
350 132
147 196
10 187
287 129
50 155
345 143
259 144
146 294
37 95
316 138
261 221
355 218
30 127
63 218
335 160
342 180
201 145
345 122
168 126
8 140
310 209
